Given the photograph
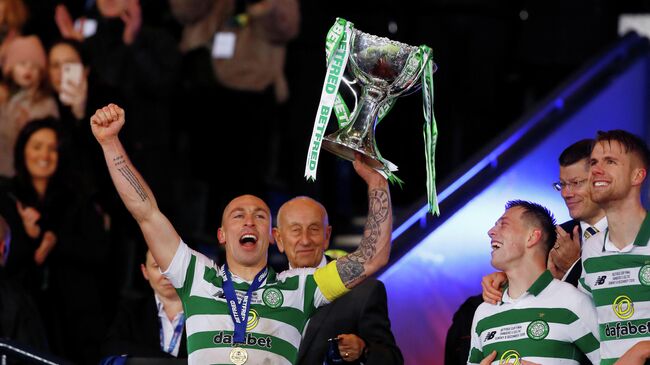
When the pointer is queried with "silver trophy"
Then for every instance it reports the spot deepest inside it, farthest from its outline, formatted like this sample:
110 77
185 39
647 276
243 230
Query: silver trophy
385 69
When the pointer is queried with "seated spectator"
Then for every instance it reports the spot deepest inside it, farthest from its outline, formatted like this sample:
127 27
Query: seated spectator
149 325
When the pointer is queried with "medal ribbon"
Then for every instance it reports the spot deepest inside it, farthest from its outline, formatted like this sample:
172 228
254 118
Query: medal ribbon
178 330
337 50
239 309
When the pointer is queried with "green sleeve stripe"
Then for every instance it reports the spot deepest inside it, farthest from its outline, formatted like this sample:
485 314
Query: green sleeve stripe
278 346
310 291
184 291
475 356
588 343
584 284
513 316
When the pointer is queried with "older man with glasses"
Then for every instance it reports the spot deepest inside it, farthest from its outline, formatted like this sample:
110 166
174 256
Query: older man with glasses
588 217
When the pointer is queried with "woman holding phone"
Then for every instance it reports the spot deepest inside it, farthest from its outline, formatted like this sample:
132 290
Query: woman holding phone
69 77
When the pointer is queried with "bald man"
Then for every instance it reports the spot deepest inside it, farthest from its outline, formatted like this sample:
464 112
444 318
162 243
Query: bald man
243 312
359 320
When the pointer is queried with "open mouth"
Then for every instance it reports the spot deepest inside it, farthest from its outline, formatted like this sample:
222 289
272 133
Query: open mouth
496 245
600 184
248 239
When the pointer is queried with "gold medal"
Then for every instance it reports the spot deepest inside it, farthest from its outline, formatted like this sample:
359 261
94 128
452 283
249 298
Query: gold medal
238 356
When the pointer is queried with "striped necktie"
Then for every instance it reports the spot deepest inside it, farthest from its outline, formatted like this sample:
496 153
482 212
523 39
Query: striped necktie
590 231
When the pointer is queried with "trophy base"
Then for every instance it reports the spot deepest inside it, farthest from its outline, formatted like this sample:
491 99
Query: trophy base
347 152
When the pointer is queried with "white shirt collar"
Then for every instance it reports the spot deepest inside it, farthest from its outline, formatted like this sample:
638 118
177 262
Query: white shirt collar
322 263
601 225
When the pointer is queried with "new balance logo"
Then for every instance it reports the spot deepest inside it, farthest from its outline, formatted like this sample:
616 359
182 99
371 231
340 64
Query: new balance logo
490 336
601 280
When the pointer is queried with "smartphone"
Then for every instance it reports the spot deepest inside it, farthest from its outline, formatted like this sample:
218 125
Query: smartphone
86 26
71 73
333 356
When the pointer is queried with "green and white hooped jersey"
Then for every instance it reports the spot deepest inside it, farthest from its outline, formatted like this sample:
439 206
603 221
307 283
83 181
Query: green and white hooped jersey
279 310
619 283
551 324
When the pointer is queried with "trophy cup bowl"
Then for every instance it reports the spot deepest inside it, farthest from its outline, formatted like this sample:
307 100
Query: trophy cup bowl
385 70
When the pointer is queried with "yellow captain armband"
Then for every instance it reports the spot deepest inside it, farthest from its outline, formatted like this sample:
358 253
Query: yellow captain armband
329 282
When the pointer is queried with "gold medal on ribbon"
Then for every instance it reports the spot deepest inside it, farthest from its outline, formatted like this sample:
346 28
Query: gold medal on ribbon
238 356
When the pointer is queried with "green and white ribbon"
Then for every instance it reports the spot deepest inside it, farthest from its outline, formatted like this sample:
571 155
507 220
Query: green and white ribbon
337 48
430 129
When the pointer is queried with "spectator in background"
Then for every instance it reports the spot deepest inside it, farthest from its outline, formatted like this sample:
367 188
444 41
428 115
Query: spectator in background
359 320
19 318
75 98
240 47
29 94
140 63
13 15
150 325
55 211
73 94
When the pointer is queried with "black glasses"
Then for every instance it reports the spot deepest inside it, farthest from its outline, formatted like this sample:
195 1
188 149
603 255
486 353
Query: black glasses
569 185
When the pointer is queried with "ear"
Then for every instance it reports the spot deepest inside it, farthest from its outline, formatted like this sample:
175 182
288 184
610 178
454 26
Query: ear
221 236
278 240
639 176
328 234
272 238
534 237
144 272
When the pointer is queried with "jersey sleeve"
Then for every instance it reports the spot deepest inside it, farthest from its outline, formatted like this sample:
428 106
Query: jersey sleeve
585 332
583 283
329 281
476 348
181 270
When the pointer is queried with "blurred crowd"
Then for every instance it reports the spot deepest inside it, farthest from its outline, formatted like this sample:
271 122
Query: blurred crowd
71 249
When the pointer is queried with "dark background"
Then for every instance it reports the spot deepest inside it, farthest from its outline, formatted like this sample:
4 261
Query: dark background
496 60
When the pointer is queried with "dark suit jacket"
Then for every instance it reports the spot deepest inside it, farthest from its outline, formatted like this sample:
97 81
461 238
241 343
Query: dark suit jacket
458 340
363 312
135 330
574 275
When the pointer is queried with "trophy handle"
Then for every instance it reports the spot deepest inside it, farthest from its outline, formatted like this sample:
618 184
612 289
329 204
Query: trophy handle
359 135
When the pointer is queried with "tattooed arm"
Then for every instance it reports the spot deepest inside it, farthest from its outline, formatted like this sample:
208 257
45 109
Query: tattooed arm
160 235
374 249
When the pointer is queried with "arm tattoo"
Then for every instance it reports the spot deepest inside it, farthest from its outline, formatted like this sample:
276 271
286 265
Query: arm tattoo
126 172
350 267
